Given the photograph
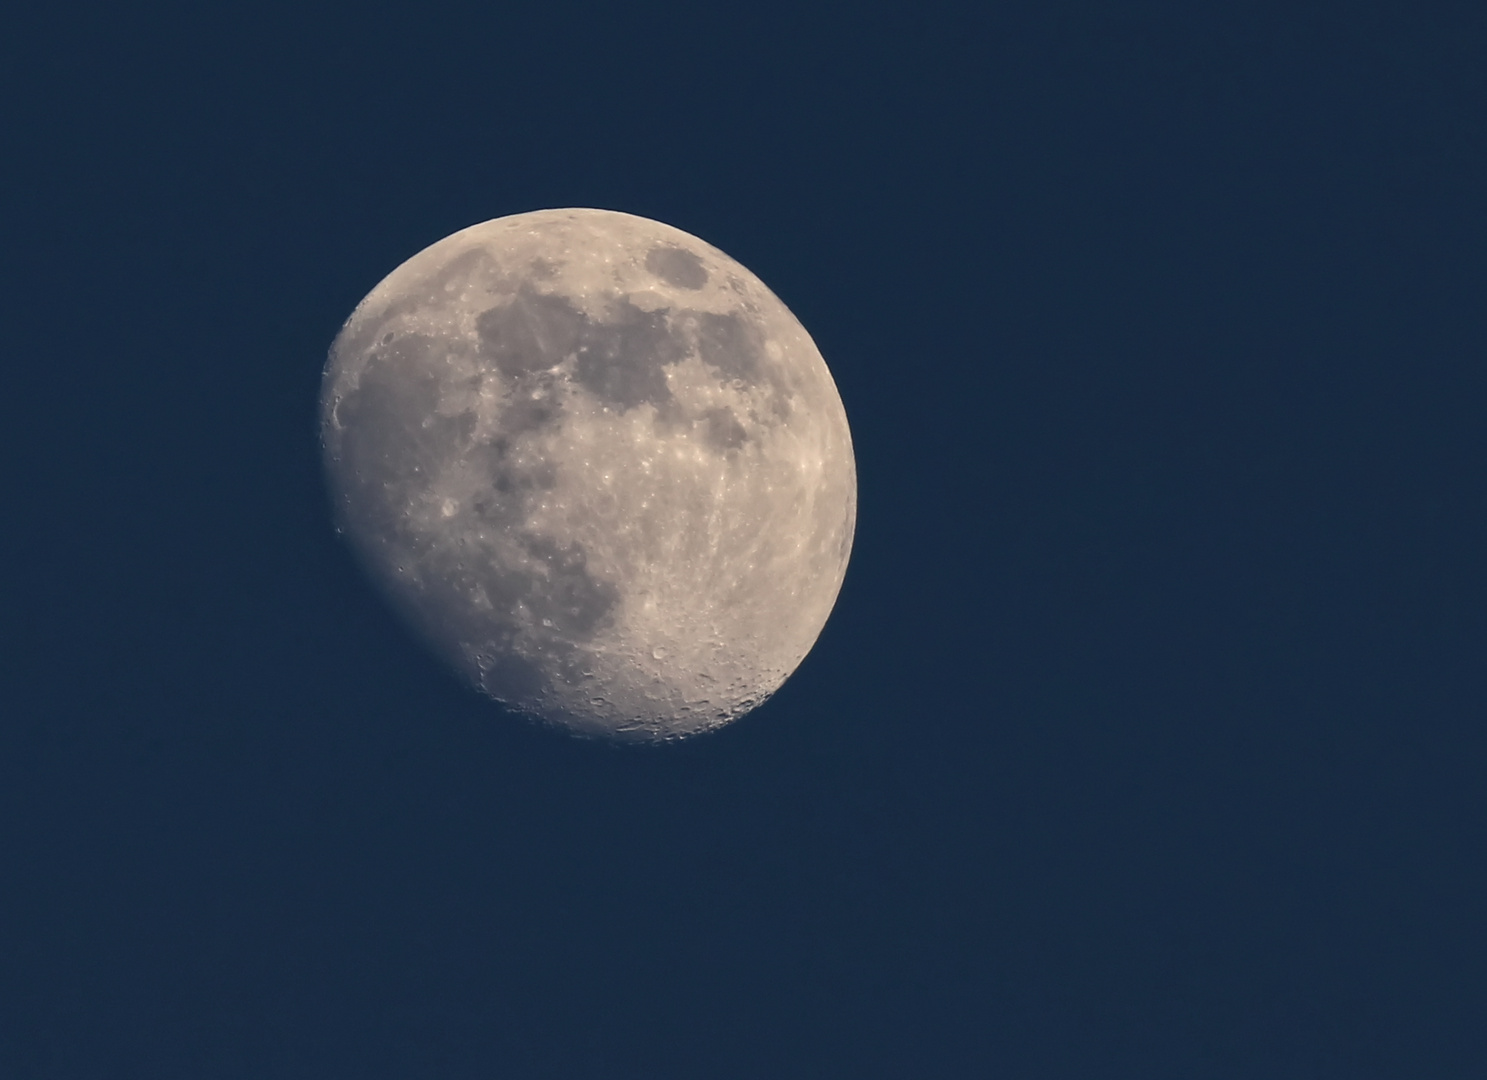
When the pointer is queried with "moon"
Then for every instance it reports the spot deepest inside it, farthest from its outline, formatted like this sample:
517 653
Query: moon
599 466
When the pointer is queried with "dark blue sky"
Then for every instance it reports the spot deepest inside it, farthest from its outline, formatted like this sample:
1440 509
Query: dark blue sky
1147 737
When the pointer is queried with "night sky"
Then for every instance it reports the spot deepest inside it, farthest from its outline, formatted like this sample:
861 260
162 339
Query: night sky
1147 739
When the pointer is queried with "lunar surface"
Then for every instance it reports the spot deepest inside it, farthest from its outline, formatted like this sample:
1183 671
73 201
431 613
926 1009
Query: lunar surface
598 464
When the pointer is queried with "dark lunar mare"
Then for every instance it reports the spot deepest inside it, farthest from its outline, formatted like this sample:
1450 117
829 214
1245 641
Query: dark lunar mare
388 447
389 434
676 266
619 359
722 430
728 344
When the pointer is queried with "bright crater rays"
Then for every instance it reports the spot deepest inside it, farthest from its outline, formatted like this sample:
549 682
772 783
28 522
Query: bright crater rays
598 464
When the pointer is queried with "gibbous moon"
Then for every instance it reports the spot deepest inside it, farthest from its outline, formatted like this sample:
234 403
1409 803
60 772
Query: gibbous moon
598 464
